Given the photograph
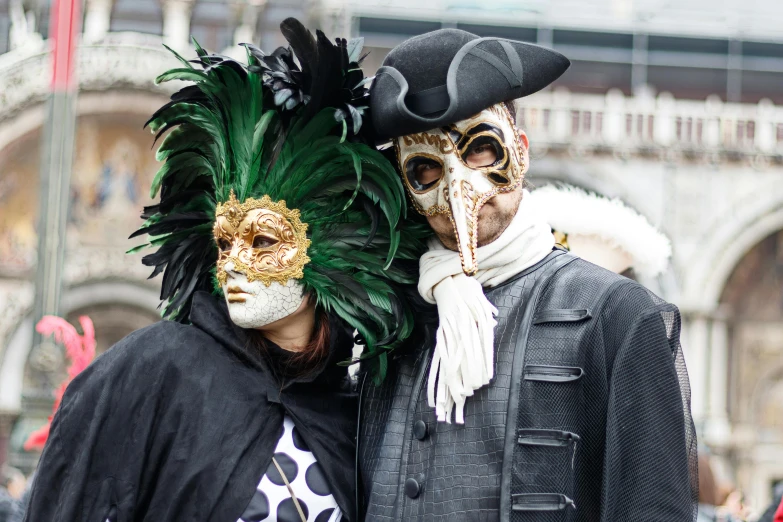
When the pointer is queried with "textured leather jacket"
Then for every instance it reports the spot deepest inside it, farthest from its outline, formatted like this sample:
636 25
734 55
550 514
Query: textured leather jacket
586 419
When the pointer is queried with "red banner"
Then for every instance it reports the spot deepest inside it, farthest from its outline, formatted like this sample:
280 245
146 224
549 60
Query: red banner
64 31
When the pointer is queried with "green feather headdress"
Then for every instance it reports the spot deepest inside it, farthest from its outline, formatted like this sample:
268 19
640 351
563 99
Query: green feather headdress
294 134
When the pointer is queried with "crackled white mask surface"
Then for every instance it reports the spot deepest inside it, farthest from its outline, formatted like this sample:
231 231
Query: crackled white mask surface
440 180
253 304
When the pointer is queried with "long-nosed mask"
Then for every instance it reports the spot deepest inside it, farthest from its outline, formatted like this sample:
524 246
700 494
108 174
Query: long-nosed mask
440 181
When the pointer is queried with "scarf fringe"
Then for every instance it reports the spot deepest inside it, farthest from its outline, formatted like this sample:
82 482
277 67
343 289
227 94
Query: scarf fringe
463 358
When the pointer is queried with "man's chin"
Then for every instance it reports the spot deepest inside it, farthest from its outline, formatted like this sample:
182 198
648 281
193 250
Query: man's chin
488 239
484 238
492 230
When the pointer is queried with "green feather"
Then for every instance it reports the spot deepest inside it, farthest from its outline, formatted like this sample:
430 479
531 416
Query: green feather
225 134
182 60
185 75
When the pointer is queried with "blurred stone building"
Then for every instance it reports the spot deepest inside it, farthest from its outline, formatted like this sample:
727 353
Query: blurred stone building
673 107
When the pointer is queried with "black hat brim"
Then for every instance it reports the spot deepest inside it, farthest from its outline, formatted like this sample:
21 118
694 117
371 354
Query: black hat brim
483 72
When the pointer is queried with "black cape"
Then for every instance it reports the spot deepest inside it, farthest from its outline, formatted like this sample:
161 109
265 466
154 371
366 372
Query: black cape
179 423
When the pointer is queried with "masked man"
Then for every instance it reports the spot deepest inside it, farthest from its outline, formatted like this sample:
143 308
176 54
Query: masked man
550 389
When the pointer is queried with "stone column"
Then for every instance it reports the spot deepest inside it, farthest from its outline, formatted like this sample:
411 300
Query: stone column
734 73
176 22
765 139
7 420
717 429
712 126
614 118
664 125
695 350
23 31
560 126
97 20
247 14
639 57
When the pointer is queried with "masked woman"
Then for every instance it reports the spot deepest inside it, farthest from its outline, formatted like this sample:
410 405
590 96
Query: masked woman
279 233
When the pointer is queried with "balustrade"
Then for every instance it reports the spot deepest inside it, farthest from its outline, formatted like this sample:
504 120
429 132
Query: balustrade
614 121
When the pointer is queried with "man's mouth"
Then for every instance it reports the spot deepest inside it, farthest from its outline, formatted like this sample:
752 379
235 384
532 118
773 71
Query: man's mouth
234 294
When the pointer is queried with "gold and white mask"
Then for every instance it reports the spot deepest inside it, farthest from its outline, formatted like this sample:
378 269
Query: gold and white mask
440 181
262 251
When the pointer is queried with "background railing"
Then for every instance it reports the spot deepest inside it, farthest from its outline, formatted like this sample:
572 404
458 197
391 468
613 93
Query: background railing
615 121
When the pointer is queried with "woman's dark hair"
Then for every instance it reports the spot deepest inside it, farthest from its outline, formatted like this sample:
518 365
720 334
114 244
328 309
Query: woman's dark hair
318 348
311 356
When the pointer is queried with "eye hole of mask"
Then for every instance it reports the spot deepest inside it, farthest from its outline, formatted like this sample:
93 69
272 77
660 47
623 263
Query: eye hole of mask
483 151
262 241
497 178
224 244
423 172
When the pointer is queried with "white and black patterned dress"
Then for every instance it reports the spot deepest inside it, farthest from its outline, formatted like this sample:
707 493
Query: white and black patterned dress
272 501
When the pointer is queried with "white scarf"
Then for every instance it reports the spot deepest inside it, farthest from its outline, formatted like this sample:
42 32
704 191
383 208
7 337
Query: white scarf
463 360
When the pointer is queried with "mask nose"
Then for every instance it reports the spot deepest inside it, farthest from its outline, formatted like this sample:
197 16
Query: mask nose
230 269
463 199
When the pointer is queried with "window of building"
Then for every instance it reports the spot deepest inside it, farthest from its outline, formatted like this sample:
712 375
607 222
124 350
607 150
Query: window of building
5 28
596 77
213 24
762 49
396 27
592 39
687 45
524 34
143 16
757 85
688 83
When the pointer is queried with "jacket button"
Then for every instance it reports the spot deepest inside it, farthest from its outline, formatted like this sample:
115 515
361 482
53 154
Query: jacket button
412 488
420 429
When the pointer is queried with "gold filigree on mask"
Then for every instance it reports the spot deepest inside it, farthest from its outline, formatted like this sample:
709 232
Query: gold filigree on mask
263 239
444 145
506 174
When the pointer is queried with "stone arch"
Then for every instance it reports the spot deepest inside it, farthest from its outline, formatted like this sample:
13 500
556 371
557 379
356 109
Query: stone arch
94 293
750 304
31 119
751 220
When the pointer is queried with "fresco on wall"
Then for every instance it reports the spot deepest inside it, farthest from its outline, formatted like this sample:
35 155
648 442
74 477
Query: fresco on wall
17 220
113 167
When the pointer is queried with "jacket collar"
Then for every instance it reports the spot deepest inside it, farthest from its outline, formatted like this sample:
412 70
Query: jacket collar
210 314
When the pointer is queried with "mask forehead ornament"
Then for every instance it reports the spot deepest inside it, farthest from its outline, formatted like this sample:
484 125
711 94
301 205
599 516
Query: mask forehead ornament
263 239
440 180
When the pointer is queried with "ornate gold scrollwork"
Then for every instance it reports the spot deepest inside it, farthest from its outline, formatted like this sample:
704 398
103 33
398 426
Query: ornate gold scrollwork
264 239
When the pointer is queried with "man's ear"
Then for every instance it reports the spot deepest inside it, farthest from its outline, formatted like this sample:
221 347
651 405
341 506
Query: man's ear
523 139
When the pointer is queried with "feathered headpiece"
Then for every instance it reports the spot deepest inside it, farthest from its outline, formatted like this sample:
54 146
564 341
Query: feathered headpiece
603 231
272 129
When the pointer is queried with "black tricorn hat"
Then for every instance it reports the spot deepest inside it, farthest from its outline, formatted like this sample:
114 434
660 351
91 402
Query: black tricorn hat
447 75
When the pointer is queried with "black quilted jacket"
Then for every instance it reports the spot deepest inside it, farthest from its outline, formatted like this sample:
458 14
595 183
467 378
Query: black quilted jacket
586 419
